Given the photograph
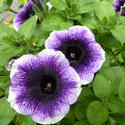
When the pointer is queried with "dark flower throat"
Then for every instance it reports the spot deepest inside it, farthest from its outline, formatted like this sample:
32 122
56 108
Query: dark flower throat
74 52
48 84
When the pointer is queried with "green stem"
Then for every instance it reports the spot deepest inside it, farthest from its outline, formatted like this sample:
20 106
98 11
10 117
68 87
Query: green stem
13 11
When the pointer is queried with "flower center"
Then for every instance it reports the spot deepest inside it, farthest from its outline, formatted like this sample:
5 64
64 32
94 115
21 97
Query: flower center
74 53
48 84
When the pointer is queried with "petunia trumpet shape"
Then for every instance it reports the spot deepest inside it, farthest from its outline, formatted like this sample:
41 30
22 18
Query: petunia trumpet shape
27 12
81 49
24 15
43 86
119 6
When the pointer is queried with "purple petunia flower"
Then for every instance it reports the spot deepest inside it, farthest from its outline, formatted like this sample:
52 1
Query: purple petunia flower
43 87
10 62
119 6
23 15
79 46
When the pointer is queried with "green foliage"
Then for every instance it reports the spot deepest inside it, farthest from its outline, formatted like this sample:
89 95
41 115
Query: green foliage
69 119
7 48
102 87
119 32
6 112
24 120
79 114
28 28
59 4
116 106
114 76
102 102
122 90
1 2
55 22
81 123
23 2
7 51
83 6
97 113
91 18
102 10
5 5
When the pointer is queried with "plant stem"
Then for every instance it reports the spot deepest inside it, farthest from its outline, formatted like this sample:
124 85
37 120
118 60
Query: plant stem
13 11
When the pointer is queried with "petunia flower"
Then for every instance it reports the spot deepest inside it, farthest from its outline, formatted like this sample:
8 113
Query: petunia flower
43 86
10 62
27 12
23 15
81 49
119 6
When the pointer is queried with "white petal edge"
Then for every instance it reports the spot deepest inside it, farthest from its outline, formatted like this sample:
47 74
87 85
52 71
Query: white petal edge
51 52
50 120
19 61
12 100
15 27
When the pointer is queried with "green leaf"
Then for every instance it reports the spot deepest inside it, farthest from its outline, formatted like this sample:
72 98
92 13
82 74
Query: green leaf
101 87
7 51
97 113
122 90
69 118
119 118
115 105
120 20
4 81
59 4
114 75
9 2
119 33
5 5
104 9
84 6
86 96
108 40
5 30
24 120
79 111
81 123
87 92
28 28
6 113
89 20
23 2
1 2
2 93
55 22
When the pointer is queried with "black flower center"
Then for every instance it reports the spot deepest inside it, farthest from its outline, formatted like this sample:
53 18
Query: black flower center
48 84
74 52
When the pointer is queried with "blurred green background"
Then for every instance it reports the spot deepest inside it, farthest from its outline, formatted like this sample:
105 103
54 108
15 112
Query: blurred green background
102 102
